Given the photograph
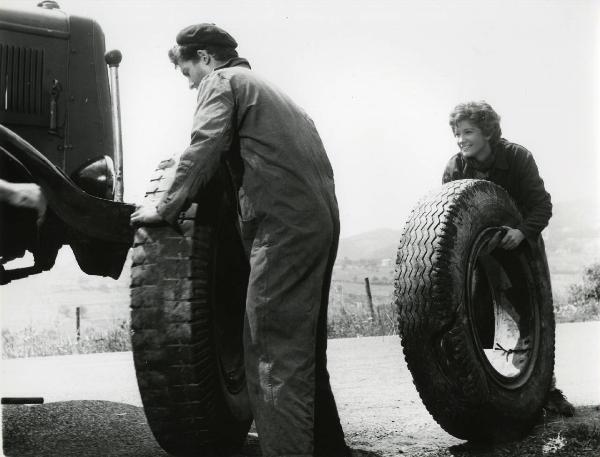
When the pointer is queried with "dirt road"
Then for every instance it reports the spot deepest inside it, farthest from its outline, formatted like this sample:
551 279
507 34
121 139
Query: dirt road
379 406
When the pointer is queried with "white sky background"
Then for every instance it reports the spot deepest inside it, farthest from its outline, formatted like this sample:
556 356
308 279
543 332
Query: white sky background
379 79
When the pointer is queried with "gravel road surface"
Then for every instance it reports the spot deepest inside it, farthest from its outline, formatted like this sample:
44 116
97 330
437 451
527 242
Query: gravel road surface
93 405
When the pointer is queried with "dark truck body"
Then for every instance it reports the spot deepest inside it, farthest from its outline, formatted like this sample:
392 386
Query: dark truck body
57 131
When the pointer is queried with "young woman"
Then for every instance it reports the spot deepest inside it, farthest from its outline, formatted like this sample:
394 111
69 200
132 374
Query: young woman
484 154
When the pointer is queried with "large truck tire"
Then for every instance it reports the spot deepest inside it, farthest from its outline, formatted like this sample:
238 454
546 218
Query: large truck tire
476 321
188 291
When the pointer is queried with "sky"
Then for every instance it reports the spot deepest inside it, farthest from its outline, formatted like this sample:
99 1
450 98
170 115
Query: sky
379 79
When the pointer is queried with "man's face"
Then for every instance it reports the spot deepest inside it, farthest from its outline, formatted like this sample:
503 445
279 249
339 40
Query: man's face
471 140
194 71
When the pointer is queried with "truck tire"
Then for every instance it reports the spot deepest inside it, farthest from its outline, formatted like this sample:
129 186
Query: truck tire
187 314
476 321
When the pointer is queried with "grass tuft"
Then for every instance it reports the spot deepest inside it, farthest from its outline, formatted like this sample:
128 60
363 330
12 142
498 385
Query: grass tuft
31 342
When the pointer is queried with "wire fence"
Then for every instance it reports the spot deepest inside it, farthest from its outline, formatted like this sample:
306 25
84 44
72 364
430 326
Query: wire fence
355 309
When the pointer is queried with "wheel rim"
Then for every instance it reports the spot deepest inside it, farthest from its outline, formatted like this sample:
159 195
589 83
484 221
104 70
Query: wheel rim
503 310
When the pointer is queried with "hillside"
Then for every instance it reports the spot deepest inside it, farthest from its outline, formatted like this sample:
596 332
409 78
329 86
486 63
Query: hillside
374 245
572 242
573 235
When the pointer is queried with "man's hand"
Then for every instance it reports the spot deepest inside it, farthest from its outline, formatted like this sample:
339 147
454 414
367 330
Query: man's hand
24 195
512 238
145 215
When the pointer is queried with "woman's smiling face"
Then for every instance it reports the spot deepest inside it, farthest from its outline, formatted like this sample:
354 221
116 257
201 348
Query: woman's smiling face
471 140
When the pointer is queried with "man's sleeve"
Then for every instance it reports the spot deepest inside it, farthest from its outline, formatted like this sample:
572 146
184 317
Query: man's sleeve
535 199
211 138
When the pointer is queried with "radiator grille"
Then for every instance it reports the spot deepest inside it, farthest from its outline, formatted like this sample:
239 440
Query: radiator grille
21 79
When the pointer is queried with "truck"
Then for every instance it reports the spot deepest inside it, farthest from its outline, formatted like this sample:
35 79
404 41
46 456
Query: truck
60 129
57 130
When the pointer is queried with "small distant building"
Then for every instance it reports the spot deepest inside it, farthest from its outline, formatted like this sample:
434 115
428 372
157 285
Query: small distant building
386 263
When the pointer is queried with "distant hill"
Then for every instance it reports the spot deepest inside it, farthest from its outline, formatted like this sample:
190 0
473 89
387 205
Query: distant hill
574 227
572 242
374 245
576 222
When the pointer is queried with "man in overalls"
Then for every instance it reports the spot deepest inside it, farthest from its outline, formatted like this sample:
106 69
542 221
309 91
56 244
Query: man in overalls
290 227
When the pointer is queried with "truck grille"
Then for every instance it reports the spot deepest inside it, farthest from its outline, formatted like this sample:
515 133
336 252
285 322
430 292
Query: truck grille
21 79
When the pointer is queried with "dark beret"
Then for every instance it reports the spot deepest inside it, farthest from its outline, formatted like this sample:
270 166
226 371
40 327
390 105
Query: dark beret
208 34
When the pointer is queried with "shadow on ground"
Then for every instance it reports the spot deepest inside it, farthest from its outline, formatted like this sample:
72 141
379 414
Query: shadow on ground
89 429
108 429
77 428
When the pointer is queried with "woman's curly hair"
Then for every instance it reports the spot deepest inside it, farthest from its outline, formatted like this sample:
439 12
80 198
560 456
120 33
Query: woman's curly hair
479 113
181 53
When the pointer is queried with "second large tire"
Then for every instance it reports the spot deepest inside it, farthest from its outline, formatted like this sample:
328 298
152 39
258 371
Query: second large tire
187 312
476 321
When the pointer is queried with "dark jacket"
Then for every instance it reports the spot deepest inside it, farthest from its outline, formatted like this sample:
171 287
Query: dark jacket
515 170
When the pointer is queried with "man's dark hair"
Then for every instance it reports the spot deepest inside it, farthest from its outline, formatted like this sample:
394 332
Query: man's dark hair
179 53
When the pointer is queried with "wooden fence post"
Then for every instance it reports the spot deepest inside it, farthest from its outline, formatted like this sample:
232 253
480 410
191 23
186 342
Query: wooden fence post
369 298
78 323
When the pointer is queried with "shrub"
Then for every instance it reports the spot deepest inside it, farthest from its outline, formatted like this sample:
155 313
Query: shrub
590 289
583 300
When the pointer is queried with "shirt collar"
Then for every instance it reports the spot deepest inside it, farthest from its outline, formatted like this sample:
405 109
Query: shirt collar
234 62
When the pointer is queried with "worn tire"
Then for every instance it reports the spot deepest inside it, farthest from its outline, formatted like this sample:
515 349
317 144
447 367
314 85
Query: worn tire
183 286
456 296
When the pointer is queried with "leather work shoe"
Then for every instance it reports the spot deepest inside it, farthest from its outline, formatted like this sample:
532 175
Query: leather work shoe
557 403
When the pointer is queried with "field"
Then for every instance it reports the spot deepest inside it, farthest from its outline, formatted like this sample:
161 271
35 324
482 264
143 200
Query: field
38 314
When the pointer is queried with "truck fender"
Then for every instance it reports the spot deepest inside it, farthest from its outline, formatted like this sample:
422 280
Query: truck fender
92 216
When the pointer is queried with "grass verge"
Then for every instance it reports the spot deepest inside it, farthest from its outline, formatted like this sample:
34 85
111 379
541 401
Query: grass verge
31 342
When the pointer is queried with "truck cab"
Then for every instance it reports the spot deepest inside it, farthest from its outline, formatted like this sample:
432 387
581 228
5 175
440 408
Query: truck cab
59 128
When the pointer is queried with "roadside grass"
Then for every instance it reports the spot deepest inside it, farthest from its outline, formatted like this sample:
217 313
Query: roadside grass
358 322
577 311
584 437
349 316
349 321
40 342
32 342
578 436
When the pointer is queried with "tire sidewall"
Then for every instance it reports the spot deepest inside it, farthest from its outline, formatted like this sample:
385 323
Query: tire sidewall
462 394
488 206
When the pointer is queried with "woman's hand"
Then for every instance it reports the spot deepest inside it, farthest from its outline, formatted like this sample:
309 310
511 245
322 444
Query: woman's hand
512 238
145 215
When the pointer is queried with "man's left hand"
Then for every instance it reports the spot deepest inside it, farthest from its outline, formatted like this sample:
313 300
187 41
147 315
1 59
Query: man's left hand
145 215
512 238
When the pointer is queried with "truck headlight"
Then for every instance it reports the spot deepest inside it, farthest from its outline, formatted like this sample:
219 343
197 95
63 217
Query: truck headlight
97 177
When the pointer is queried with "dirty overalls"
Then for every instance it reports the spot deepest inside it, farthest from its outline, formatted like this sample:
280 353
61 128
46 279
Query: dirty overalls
290 228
